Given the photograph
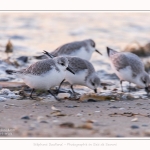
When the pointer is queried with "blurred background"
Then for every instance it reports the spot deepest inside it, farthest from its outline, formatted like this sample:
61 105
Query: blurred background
32 32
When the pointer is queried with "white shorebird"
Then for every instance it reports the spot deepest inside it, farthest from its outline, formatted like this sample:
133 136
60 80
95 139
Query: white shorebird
84 73
129 67
44 74
82 49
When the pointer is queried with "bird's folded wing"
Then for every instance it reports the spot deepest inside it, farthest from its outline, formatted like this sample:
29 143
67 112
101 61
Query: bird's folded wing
121 61
67 48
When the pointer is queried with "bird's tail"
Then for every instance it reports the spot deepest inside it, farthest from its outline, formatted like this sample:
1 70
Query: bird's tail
48 54
111 51
10 71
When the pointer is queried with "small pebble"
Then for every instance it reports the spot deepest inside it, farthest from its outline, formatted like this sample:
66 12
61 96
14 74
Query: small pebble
139 104
91 100
63 95
134 127
113 107
144 125
2 99
97 111
67 125
71 106
55 109
26 117
40 118
79 115
55 120
112 100
23 58
121 108
43 121
134 120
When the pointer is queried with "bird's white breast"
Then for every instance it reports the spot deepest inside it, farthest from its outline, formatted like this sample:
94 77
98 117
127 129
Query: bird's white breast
44 81
82 53
77 78
126 74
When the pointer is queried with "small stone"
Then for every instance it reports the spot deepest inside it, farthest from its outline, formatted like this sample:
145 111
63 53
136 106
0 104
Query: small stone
88 126
139 104
78 115
134 127
26 117
121 108
67 125
40 118
113 107
112 100
91 100
136 97
97 111
55 109
43 121
63 95
23 58
144 125
2 99
55 121
71 106
134 120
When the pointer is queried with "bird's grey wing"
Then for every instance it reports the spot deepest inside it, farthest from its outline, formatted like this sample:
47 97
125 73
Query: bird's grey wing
90 67
68 48
41 67
77 64
121 61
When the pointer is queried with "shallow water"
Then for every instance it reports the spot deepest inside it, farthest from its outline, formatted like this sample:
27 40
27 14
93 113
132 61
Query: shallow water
31 33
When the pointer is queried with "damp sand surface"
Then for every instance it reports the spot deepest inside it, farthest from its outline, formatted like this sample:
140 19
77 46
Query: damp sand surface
50 118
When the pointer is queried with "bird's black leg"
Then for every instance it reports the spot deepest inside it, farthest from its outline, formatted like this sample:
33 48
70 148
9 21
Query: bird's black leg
60 86
121 85
72 89
129 87
54 95
32 93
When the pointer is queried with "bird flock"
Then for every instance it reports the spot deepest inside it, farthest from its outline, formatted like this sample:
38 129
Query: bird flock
71 62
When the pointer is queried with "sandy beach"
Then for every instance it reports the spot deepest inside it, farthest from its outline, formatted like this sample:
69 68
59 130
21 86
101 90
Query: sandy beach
46 118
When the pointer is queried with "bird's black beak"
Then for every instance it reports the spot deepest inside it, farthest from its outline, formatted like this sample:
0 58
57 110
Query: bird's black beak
95 90
69 69
48 54
147 90
98 51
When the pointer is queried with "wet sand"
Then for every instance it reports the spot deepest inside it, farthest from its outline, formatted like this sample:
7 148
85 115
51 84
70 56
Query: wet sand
32 118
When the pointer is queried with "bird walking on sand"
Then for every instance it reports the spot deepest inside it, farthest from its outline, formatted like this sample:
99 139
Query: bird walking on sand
84 73
129 67
44 74
82 49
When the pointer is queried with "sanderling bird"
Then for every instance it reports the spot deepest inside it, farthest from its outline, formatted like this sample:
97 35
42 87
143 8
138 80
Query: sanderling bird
84 73
82 49
44 74
129 67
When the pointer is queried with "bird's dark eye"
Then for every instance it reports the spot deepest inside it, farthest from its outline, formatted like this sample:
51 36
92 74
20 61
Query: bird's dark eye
62 64
93 84
144 82
93 44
